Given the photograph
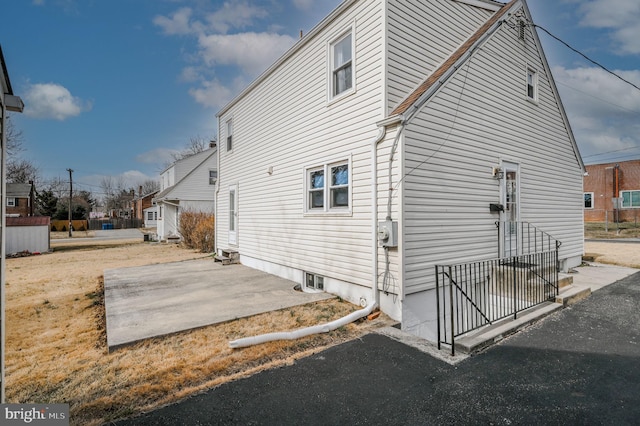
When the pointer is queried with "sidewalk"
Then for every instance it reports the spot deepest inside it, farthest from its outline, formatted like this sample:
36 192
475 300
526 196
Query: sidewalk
598 275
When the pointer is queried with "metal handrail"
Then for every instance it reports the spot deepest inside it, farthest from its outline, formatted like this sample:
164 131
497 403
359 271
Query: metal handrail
523 238
481 293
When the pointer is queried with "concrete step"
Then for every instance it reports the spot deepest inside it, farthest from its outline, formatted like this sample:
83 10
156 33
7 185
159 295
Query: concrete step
480 339
572 294
564 280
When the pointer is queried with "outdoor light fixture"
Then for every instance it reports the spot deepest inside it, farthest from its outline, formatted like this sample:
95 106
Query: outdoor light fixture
498 173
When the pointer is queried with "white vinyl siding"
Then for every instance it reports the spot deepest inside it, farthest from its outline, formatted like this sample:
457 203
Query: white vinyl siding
532 84
477 120
413 25
286 132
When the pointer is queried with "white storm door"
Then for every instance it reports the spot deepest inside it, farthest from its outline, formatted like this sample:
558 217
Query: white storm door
233 214
510 190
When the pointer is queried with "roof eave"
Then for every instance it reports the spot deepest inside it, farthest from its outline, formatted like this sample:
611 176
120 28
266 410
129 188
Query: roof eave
296 47
439 77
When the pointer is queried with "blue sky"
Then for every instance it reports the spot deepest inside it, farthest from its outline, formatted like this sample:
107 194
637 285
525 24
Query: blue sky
112 88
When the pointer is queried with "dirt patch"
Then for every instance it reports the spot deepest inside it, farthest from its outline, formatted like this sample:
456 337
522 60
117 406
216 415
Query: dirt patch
56 348
614 253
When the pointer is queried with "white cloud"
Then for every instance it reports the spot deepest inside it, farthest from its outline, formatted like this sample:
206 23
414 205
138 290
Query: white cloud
130 178
178 24
190 75
212 94
303 4
253 52
602 109
234 15
52 100
157 156
620 16
219 53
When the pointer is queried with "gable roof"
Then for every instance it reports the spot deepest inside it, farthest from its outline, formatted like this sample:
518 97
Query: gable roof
419 96
18 190
5 73
163 195
448 65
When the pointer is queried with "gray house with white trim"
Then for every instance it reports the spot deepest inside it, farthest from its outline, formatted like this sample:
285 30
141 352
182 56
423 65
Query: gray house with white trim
395 137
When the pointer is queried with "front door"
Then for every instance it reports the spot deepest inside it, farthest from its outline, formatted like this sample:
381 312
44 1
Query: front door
233 214
510 191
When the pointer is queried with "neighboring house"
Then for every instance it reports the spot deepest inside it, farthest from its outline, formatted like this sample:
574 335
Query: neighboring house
142 202
29 234
612 192
395 137
186 185
20 199
150 215
8 102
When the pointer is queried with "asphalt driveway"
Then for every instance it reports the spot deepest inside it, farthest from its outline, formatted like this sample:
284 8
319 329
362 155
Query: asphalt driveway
581 365
156 300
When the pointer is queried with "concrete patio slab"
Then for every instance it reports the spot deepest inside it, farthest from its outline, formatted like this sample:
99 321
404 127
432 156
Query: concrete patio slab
155 300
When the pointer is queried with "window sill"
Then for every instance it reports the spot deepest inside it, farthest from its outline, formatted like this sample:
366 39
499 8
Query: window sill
333 213
341 96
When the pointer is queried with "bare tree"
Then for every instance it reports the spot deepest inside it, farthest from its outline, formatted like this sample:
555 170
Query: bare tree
18 169
195 145
149 186
21 171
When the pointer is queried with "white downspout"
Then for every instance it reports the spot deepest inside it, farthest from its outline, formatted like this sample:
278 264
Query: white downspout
302 332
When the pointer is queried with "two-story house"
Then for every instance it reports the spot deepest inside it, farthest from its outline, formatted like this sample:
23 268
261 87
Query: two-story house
395 137
20 199
187 185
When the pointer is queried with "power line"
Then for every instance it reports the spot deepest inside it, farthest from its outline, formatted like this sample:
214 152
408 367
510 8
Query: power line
611 152
585 56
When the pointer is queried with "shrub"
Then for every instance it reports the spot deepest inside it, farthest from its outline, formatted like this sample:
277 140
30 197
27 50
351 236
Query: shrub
53 228
197 230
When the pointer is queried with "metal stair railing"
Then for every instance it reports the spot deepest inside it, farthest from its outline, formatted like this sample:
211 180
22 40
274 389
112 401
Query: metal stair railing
472 295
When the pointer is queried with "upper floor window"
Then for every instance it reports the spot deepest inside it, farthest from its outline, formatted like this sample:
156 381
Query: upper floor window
342 65
328 188
588 200
229 135
630 199
532 84
213 177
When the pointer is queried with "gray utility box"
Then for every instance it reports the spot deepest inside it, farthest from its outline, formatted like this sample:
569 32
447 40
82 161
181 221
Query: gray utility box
388 233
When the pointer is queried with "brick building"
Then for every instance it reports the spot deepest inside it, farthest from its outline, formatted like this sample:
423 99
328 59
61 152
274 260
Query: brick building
20 199
612 192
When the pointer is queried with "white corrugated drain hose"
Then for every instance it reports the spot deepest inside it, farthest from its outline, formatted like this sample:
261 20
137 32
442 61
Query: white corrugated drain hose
302 332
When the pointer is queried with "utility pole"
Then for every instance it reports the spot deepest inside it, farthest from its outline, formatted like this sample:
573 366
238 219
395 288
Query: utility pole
70 197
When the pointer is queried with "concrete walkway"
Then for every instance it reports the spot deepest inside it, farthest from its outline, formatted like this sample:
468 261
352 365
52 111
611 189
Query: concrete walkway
598 275
156 300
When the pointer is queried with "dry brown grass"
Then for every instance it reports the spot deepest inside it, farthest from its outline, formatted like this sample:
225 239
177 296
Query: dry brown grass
598 230
56 344
614 253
